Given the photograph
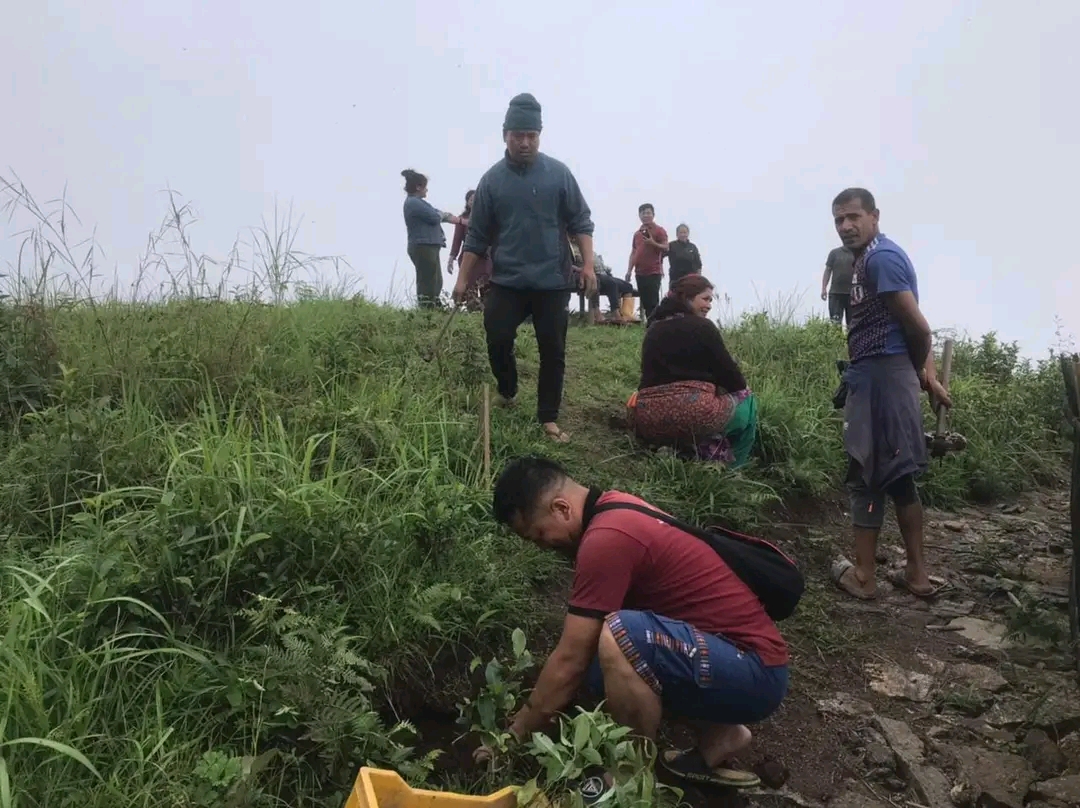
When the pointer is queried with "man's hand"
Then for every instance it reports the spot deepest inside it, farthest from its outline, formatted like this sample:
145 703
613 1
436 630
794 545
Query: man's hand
587 282
824 294
450 265
459 289
483 754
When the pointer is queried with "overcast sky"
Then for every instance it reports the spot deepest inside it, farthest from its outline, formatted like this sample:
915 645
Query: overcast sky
742 119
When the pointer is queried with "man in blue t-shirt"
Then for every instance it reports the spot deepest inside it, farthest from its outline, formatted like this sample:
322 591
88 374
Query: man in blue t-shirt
889 343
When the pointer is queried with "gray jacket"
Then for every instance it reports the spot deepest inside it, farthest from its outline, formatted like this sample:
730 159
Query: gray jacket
424 222
525 213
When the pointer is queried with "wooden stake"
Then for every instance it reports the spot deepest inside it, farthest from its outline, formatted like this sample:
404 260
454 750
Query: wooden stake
486 433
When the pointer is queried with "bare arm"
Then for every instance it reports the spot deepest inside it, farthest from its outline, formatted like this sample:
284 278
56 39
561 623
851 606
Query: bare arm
825 281
585 244
467 268
561 676
905 308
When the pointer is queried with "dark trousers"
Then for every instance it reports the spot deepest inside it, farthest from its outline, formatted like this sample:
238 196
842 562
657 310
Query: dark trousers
612 288
840 308
425 258
649 289
504 310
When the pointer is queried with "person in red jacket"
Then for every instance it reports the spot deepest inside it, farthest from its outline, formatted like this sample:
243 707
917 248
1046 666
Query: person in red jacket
657 623
647 250
474 293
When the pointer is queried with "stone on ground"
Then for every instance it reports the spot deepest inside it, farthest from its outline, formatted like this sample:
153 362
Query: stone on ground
994 778
1064 790
889 679
981 632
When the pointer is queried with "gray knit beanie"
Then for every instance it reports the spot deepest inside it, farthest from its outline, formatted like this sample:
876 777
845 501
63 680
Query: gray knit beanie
523 114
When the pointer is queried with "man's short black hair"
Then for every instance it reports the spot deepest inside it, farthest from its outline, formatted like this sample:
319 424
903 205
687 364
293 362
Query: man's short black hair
644 207
522 483
860 195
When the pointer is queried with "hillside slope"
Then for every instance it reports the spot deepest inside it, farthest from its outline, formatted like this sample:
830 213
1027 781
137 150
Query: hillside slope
237 529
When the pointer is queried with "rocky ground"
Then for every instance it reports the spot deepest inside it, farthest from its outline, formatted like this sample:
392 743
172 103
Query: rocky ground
966 702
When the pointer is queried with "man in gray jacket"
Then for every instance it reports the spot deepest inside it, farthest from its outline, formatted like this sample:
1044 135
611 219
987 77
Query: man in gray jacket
527 207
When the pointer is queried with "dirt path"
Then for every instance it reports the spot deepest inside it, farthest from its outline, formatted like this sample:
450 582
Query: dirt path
904 703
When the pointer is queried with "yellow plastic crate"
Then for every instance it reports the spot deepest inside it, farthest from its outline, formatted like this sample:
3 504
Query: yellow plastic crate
379 788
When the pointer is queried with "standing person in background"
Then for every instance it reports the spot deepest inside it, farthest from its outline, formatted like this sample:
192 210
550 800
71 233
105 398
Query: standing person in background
647 250
838 268
526 208
683 256
423 223
892 361
474 295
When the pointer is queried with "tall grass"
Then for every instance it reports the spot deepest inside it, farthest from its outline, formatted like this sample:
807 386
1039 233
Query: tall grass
245 525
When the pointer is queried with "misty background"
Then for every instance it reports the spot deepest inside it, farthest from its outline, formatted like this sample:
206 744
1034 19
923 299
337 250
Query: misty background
741 119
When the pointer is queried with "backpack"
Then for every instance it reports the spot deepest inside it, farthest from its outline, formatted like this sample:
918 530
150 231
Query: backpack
762 566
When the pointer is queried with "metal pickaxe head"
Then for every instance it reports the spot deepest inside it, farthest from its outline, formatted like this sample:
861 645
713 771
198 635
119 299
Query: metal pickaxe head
941 443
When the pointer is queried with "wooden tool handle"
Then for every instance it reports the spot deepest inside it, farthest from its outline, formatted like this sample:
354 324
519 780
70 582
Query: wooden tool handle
946 372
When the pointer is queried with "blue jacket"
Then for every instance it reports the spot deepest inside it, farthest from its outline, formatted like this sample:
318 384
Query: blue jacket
423 222
524 214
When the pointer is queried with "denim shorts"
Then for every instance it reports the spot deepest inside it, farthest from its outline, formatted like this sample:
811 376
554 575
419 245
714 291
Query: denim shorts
697 675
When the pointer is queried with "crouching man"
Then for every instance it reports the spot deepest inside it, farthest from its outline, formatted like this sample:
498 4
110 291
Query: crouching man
657 623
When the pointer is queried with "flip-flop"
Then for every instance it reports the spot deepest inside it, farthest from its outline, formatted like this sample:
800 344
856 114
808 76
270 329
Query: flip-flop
556 435
839 569
900 581
690 765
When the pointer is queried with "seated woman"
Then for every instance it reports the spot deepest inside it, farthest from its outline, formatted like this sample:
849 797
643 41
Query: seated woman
692 395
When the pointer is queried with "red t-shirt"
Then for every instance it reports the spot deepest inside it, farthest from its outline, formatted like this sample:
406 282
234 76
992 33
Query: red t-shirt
648 260
629 560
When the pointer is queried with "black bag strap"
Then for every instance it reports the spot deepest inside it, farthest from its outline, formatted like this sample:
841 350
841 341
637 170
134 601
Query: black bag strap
663 517
707 536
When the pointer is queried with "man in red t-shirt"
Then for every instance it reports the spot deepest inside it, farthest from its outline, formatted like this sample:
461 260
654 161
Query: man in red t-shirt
647 250
657 623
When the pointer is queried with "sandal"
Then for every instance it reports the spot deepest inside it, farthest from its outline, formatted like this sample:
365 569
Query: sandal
938 585
840 576
690 765
553 432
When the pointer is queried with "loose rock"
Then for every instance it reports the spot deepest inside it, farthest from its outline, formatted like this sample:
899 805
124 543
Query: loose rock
844 704
880 756
980 677
948 608
1065 790
995 778
955 525
930 783
891 680
856 799
1070 750
981 632
1045 756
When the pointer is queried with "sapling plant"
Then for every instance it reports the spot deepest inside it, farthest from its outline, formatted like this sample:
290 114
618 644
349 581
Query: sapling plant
593 745
488 714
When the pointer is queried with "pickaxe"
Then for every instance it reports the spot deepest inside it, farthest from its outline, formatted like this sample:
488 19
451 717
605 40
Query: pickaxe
940 442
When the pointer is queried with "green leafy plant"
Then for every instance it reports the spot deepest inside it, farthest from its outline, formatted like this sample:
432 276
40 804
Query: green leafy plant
489 712
592 740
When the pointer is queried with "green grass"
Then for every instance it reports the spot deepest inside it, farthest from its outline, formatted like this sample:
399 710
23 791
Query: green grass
239 539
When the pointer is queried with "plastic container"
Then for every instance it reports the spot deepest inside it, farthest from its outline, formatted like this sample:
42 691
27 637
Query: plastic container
379 788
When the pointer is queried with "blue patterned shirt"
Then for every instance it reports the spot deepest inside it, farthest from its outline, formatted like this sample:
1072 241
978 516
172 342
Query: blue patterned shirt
881 268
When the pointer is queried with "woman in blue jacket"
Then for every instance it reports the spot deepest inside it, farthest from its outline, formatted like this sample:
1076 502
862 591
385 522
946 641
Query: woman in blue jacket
424 222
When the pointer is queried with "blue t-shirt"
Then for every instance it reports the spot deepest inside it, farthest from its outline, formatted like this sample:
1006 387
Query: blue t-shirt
881 269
